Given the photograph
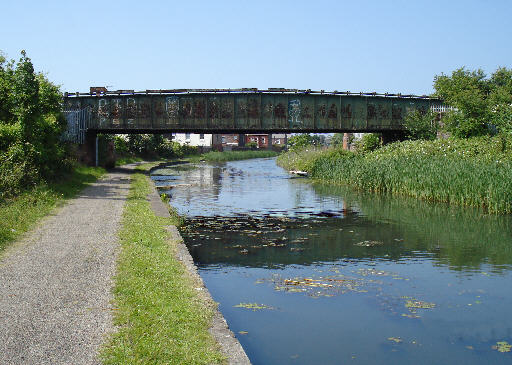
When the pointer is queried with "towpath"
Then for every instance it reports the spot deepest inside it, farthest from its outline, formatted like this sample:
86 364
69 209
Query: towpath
55 285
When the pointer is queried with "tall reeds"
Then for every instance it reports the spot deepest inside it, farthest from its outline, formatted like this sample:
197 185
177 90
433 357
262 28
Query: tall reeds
474 172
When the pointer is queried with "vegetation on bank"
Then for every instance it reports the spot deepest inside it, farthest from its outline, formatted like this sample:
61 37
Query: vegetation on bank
473 167
31 124
160 317
19 214
214 156
37 170
474 172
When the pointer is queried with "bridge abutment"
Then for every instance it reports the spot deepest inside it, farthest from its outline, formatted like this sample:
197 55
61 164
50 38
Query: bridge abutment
392 136
88 150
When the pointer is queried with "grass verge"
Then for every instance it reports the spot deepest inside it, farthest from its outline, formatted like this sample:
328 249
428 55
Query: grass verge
126 160
19 214
473 172
160 317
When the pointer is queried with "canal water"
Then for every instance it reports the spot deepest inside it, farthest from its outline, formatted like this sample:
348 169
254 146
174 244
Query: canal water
309 273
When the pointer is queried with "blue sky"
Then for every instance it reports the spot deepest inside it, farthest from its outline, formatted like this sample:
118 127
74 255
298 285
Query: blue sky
395 46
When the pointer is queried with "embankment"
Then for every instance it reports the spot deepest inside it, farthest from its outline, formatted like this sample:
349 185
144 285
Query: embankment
236 155
163 314
474 172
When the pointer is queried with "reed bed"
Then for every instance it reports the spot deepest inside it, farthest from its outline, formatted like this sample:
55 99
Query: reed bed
237 155
474 172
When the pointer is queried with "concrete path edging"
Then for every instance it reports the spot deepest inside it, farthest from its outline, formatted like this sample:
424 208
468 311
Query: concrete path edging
230 345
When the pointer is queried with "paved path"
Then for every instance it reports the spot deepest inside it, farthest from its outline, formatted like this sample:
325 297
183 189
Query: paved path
55 285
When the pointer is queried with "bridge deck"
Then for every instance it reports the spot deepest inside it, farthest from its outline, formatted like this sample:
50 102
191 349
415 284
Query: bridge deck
244 110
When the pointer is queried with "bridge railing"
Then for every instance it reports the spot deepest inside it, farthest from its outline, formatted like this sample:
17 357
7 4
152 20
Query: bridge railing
442 108
78 121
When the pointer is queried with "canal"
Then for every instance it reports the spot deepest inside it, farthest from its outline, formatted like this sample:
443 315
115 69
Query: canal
308 273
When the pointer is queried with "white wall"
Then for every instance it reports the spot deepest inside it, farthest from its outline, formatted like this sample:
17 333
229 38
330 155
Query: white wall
193 139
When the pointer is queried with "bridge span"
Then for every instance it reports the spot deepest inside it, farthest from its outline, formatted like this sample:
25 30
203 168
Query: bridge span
244 110
237 111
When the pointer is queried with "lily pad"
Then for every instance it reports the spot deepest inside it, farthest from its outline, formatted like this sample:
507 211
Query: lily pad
369 243
395 339
419 304
253 306
502 346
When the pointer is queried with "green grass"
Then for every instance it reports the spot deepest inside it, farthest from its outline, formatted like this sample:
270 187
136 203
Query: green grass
235 155
161 318
21 213
126 160
473 172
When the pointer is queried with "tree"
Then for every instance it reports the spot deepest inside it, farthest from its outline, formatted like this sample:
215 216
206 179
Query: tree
500 99
421 125
26 96
302 140
31 124
480 103
337 140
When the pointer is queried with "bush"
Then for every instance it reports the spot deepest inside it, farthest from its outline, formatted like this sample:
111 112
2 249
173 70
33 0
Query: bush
31 125
300 141
368 143
9 134
251 145
121 145
421 125
18 169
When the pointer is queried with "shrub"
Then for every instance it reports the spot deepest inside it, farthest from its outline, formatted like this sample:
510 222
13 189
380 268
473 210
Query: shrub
300 141
18 169
421 125
251 145
121 145
369 142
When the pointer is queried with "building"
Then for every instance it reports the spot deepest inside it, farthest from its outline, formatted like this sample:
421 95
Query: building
193 139
261 140
280 139
228 141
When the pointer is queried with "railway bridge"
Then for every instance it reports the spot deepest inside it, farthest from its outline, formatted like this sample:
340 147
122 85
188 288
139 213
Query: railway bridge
238 111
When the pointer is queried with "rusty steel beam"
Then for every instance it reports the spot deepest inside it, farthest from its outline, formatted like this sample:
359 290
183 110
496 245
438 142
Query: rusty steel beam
245 110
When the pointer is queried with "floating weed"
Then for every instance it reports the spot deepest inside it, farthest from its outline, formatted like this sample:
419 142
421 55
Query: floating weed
410 315
243 332
419 304
373 272
502 346
369 243
321 286
253 306
395 339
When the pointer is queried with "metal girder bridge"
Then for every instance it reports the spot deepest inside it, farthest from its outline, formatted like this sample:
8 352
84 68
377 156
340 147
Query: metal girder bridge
244 111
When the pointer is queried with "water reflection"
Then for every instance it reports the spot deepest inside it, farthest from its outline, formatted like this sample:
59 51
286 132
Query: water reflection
310 273
254 194
461 238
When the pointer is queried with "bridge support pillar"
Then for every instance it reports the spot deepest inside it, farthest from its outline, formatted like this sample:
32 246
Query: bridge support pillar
90 149
346 140
392 136
241 140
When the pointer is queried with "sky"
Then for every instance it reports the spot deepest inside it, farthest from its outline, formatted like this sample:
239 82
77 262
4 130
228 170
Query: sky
384 46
